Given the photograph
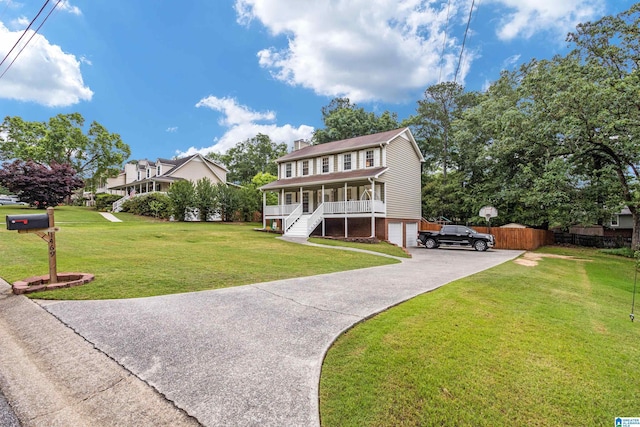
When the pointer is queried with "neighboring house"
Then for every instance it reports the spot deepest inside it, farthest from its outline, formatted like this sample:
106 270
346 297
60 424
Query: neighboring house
360 187
145 176
621 224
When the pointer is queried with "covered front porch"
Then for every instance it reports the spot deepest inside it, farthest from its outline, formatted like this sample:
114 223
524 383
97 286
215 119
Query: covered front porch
299 211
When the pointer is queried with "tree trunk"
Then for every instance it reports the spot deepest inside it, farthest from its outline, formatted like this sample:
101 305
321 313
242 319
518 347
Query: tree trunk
635 237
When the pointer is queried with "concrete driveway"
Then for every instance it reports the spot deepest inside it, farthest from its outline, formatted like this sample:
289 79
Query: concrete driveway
252 355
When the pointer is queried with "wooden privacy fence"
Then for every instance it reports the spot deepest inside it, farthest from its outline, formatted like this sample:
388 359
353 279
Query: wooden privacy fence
508 238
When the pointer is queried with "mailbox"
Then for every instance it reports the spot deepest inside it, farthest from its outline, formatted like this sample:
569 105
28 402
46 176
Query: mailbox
27 222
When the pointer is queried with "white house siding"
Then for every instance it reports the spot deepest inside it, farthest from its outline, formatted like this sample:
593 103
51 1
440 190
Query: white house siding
197 169
403 180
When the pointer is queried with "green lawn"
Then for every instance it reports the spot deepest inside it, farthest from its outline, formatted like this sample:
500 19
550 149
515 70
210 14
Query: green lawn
141 257
549 345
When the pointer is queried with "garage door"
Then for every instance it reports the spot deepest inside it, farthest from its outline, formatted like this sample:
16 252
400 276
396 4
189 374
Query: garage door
395 233
412 234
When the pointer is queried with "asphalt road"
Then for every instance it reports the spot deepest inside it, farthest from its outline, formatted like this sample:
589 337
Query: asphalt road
252 355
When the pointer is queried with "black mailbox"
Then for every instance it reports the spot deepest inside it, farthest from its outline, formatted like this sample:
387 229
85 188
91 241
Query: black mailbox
27 222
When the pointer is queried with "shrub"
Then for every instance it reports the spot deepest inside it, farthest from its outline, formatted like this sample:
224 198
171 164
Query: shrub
104 201
182 196
156 205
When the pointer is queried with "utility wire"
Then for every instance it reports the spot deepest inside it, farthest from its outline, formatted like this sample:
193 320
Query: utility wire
32 36
444 41
25 32
464 40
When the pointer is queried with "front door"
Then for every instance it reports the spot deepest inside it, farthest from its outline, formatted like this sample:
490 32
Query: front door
305 202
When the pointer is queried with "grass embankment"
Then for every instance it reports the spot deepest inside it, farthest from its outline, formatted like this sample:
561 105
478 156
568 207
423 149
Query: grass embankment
382 247
141 257
547 345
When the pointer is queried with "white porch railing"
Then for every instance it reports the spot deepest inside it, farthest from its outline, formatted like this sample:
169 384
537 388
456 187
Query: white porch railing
279 210
292 218
354 206
315 218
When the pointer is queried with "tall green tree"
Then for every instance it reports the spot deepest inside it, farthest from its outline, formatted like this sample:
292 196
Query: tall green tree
343 120
432 125
249 157
94 153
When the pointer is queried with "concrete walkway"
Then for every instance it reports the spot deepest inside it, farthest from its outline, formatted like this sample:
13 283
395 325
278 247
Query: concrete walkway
252 355
110 217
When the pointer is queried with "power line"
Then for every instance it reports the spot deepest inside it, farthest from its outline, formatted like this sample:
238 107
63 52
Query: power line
464 40
25 32
32 36
444 41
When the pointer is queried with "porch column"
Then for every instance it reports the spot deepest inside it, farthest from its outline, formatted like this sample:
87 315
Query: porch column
344 203
264 210
322 201
373 215
301 198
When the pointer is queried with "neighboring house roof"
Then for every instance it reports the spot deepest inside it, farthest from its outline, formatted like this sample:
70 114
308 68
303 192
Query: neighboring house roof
325 178
177 165
357 143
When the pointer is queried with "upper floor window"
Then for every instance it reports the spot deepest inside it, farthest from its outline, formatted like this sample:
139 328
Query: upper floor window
158 170
325 165
369 158
346 164
287 170
148 173
139 176
305 167
615 221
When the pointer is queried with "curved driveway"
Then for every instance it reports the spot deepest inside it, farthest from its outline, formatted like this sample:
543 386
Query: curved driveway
252 355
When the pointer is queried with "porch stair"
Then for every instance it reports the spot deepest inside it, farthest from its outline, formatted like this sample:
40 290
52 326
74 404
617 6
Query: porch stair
299 228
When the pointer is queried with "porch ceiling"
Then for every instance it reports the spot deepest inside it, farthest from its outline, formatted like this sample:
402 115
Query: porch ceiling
329 178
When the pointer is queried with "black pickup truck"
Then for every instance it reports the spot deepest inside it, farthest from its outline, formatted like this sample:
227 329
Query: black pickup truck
456 235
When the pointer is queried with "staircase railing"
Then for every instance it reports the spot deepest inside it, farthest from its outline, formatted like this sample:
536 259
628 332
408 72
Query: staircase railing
315 218
292 218
117 205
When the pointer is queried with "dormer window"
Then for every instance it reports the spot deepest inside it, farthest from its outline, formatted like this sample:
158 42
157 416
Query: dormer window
287 170
346 163
158 170
325 165
369 159
148 172
139 176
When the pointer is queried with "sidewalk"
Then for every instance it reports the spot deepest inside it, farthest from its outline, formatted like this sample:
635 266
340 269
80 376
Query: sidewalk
53 377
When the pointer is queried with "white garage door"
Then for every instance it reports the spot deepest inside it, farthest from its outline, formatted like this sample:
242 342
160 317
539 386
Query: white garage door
412 234
395 233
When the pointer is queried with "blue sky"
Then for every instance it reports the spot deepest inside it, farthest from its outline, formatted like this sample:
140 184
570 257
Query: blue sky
175 78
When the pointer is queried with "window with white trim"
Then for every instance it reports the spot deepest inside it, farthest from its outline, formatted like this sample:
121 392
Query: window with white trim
158 170
325 165
369 159
139 175
287 169
287 199
305 167
615 221
346 162
148 173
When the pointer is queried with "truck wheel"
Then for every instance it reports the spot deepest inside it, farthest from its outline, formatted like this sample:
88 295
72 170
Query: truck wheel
480 245
430 243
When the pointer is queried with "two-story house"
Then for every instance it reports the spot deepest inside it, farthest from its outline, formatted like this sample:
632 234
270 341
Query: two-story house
144 176
360 187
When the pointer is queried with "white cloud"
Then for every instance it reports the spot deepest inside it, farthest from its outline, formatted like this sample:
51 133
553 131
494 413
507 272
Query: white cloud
43 73
528 17
67 7
363 49
172 129
242 123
